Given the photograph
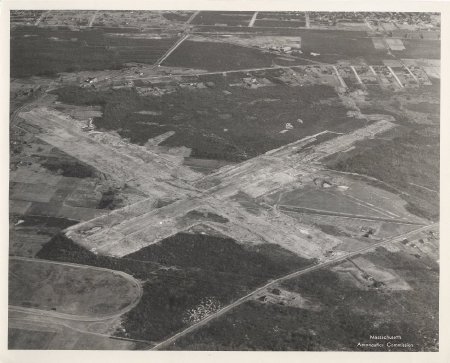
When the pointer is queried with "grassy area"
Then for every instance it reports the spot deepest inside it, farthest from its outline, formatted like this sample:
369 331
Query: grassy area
65 165
330 45
68 289
29 339
217 17
46 51
406 161
345 315
417 48
334 45
279 23
326 200
182 274
214 56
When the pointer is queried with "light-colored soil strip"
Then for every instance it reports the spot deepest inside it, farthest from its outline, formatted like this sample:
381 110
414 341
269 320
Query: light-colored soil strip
422 187
368 24
341 81
43 15
169 52
192 17
92 19
411 73
253 19
395 76
356 74
373 70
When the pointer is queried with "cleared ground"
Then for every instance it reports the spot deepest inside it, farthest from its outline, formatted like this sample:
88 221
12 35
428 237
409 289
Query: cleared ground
74 290
43 51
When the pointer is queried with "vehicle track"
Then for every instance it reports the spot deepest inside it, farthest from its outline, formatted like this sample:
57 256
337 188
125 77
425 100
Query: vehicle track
82 318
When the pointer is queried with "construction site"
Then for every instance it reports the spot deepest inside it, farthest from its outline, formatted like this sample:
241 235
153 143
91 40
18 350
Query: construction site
237 179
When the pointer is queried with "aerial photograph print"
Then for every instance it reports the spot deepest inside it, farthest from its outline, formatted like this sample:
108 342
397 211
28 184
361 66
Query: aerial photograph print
185 180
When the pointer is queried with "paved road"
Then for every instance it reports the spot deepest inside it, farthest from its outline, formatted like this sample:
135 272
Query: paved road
271 283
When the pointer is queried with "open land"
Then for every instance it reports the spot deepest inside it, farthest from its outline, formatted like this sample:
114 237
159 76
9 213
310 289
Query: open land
212 180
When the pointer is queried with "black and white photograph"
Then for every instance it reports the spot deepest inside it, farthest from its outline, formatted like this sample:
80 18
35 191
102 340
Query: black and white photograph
224 180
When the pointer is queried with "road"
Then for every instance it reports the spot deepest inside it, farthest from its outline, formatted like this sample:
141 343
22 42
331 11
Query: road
271 283
192 17
43 15
92 19
307 21
171 49
253 19
220 72
299 209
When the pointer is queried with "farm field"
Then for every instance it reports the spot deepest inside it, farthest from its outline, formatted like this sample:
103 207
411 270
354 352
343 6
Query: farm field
339 45
417 48
279 23
223 18
52 191
45 336
213 56
48 52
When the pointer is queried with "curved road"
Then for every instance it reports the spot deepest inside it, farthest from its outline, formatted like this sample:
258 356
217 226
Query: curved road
82 318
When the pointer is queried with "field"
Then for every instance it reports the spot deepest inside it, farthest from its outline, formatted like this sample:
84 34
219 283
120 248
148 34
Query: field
277 23
333 201
69 289
185 274
28 237
28 17
417 48
281 15
403 154
48 52
328 47
29 339
26 335
214 56
51 191
223 18
339 314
